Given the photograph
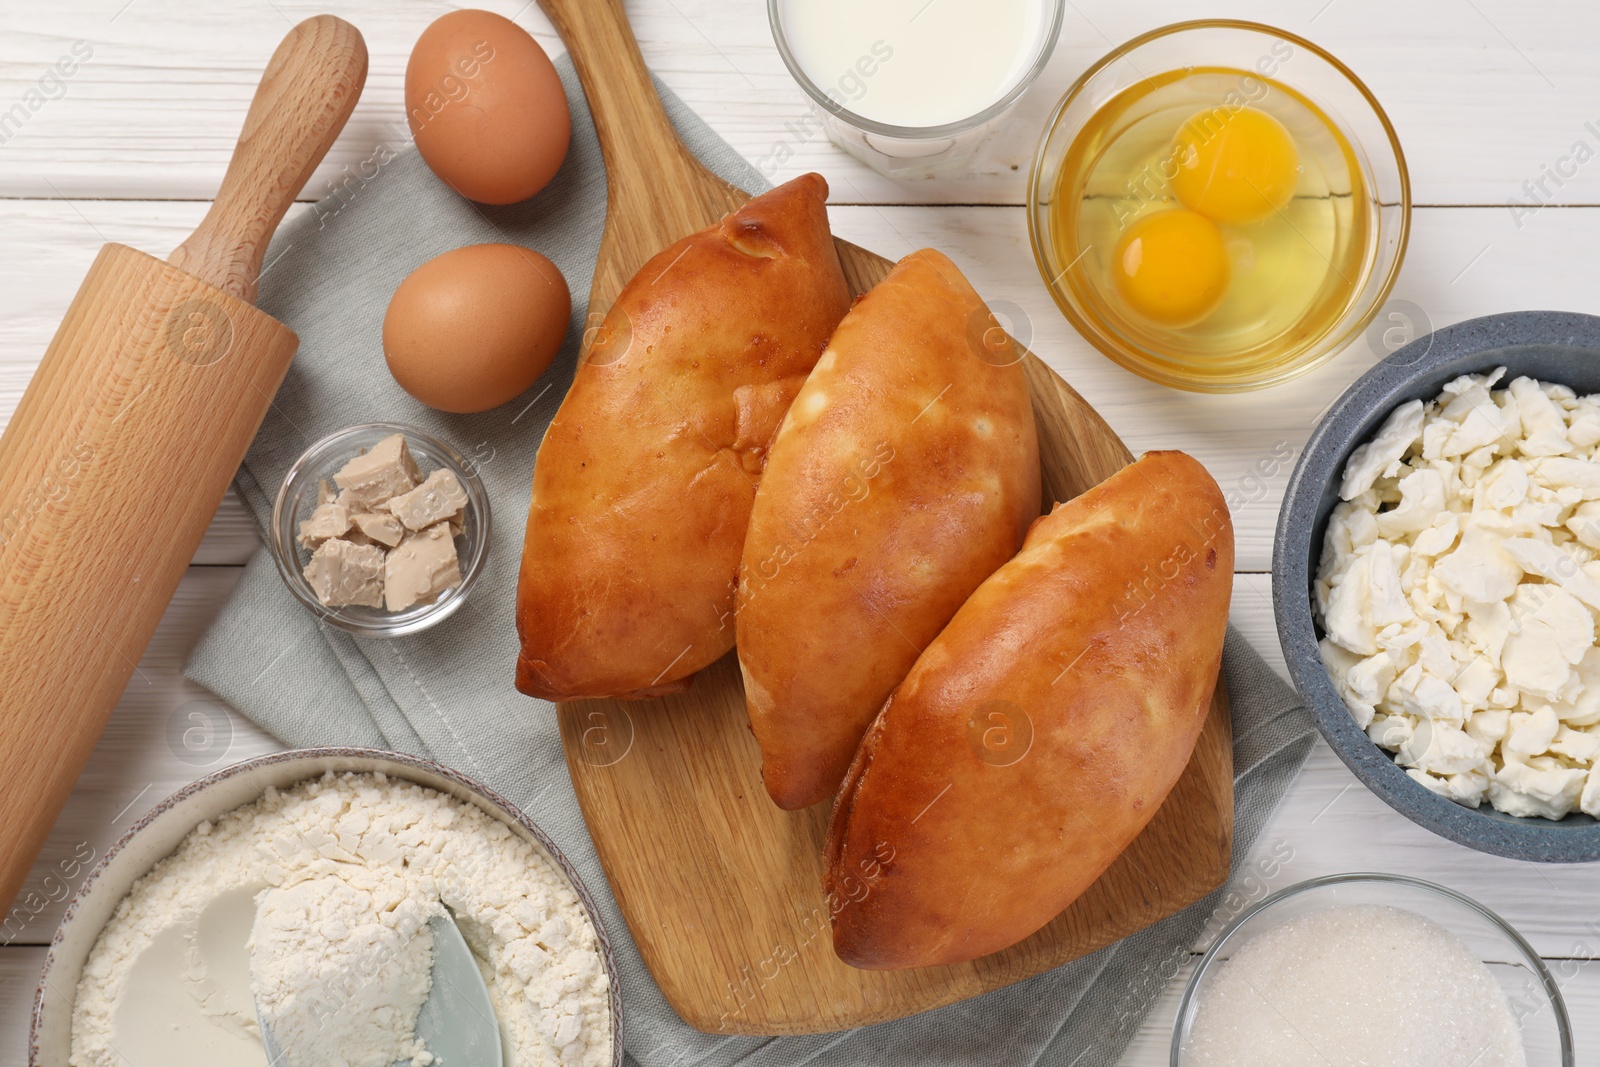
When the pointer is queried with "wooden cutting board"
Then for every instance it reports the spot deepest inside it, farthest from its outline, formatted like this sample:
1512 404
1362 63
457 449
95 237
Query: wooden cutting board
720 888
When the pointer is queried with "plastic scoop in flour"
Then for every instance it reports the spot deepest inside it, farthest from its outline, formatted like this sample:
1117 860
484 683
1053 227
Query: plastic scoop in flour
355 998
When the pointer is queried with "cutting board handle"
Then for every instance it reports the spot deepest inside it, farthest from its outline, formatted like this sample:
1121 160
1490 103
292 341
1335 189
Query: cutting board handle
308 90
644 157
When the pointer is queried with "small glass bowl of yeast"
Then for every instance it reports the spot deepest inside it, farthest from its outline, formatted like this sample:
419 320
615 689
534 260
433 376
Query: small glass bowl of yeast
368 561
1219 206
1371 968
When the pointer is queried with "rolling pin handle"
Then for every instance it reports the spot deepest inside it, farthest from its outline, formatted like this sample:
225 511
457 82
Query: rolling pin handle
309 88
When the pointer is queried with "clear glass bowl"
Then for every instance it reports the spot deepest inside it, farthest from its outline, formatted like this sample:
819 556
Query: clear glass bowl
1530 988
298 497
914 151
1311 72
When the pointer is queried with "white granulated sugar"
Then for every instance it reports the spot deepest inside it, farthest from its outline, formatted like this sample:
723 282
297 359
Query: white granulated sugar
330 884
340 967
1354 985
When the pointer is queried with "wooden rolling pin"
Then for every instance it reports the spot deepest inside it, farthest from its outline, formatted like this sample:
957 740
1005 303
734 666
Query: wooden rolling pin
128 436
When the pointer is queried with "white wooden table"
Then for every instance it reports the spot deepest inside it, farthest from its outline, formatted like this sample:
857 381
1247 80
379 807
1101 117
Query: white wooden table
1487 95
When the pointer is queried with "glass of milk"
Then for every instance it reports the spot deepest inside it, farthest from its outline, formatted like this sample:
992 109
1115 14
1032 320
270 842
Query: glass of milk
910 87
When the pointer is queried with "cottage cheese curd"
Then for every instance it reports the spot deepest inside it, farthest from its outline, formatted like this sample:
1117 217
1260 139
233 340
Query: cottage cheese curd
1458 592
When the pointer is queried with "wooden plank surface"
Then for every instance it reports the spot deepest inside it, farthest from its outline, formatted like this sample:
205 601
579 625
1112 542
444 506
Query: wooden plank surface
1484 94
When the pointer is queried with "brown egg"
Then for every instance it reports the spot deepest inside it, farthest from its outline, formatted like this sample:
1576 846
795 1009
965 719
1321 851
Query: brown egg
486 107
471 329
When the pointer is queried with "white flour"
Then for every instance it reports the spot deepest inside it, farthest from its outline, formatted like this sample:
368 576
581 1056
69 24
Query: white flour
357 942
332 883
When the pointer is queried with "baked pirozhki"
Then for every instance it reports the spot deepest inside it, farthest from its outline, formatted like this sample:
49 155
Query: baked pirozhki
1041 730
904 474
643 484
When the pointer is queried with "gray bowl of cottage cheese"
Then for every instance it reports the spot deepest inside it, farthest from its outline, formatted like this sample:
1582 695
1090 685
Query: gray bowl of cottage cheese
307 878
1433 590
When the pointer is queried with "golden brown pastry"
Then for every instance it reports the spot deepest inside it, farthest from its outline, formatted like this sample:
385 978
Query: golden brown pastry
1041 730
905 473
643 484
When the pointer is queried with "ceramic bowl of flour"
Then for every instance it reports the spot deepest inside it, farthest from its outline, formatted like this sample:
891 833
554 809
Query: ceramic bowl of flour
477 833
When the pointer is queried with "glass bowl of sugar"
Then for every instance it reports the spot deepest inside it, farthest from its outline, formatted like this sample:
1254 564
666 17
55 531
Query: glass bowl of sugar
1371 968
910 87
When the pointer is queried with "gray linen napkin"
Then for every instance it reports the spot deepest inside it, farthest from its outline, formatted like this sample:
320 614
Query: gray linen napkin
447 694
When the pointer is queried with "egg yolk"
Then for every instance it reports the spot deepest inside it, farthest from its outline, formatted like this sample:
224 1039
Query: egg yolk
1236 167
1171 267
